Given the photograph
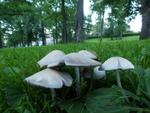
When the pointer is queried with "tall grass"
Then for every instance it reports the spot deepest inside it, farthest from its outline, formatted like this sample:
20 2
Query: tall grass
17 63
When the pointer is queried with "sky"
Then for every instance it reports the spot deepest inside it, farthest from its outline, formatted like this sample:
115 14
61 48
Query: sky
135 24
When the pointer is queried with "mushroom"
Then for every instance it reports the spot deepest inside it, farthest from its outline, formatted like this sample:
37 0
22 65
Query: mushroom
117 63
87 54
50 78
99 72
76 60
52 59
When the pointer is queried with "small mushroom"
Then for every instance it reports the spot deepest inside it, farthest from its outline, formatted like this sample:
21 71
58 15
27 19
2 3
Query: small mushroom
76 60
99 72
117 63
49 78
52 59
87 54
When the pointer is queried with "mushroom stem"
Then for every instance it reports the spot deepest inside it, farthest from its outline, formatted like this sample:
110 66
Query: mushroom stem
119 84
53 94
118 78
91 81
78 80
105 77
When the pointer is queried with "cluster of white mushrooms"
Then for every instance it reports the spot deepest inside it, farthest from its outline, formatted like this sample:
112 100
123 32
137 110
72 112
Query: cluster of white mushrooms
53 79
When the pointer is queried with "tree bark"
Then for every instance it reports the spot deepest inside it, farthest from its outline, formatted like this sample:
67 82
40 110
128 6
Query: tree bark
36 37
1 42
64 28
102 22
43 34
79 31
1 36
56 32
21 33
29 37
145 31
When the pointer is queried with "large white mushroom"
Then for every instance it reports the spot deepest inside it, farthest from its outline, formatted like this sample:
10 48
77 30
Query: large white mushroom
117 63
87 54
52 59
49 78
98 71
77 60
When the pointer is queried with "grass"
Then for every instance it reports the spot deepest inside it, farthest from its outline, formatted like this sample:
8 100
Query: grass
129 38
18 63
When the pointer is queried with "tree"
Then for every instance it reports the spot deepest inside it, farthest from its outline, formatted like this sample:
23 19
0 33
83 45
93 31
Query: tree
64 28
99 7
1 40
29 20
40 12
132 7
71 6
14 13
79 31
145 11
88 25
120 16
1 35
30 24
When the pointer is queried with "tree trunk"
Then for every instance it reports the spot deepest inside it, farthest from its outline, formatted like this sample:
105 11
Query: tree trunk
1 39
36 37
37 42
29 37
145 31
1 42
64 28
22 42
43 34
56 32
111 28
21 32
1 36
102 22
120 29
79 31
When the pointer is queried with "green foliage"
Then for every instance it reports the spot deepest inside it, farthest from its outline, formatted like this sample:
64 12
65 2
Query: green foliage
18 97
104 100
26 21
122 12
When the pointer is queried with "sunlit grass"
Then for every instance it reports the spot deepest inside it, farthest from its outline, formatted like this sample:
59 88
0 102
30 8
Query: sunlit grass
106 39
18 63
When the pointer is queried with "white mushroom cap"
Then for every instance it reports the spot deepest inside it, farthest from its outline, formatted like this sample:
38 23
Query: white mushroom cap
49 78
99 73
52 59
87 54
77 60
67 79
115 63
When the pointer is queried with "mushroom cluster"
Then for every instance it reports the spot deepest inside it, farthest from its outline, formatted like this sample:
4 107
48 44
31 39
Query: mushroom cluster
52 78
